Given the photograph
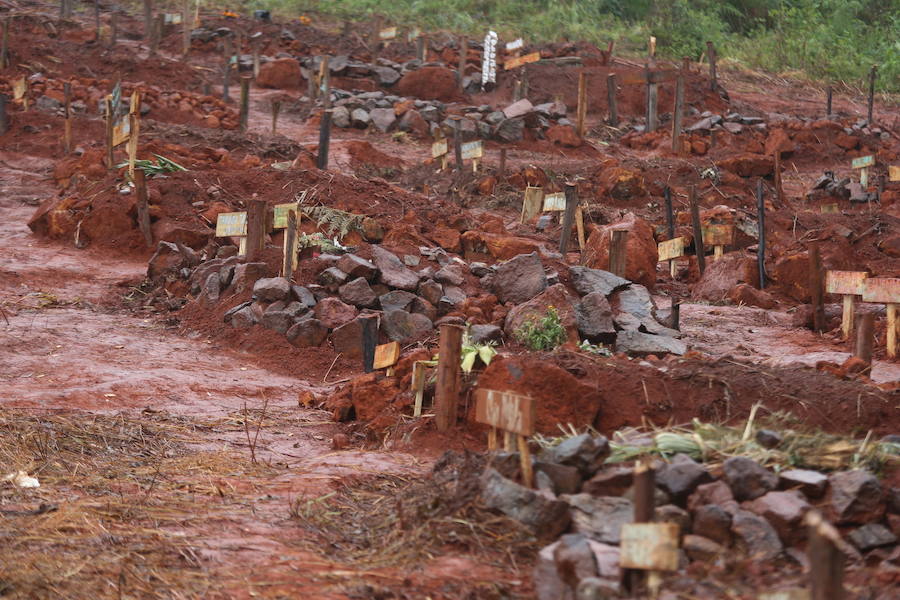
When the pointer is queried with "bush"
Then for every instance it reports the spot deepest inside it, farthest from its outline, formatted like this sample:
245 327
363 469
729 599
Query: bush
544 334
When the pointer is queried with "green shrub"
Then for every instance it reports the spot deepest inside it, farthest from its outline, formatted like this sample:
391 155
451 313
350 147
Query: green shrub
545 333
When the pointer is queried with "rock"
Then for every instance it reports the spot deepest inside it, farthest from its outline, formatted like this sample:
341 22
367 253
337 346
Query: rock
716 492
594 317
681 477
584 452
385 76
535 309
358 293
574 557
166 259
402 326
587 281
332 313
332 278
669 513
643 344
641 250
393 272
340 117
452 274
396 300
713 522
784 511
754 536
429 83
871 536
748 165
360 118
722 276
271 289
354 267
383 119
811 483
599 518
854 497
518 109
699 548
565 479
247 274
303 296
595 588
747 479
244 317
277 320
768 438
519 279
307 333
281 74
565 136
412 122
481 334
545 517
634 300
347 339
431 291
746 295
509 130
611 480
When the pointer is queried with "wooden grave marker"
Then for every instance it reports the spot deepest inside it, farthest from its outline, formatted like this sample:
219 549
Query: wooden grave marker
512 413
830 208
386 355
532 203
671 250
515 45
718 235
894 173
474 151
387 34
20 91
519 61
121 131
863 163
649 546
283 215
848 284
886 290
172 18
441 149
489 59
418 383
555 202
233 224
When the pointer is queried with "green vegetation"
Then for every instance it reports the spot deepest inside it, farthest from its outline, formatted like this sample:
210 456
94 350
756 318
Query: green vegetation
835 40
544 334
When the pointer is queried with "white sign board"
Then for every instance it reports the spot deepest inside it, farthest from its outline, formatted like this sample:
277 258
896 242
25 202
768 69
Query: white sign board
489 59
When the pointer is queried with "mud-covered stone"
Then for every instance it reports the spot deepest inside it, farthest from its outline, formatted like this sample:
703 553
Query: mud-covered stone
854 497
334 313
358 292
355 266
307 333
393 273
547 518
754 536
402 326
681 477
519 279
271 289
599 518
747 479
587 281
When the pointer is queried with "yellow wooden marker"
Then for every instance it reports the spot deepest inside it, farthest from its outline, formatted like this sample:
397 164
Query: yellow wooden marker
848 284
718 235
886 291
671 250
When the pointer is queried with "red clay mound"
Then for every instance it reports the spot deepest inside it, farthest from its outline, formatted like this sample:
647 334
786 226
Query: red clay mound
280 74
430 83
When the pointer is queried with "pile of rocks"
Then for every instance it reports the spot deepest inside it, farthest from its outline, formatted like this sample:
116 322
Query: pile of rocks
739 509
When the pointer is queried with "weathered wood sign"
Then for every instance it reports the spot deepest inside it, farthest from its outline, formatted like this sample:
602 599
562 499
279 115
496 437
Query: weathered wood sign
531 205
172 18
121 130
830 208
863 163
280 214
519 61
640 78
848 284
489 59
387 355
233 225
555 202
472 150
718 235
20 88
649 546
886 291
514 415
671 249
439 148
894 173
388 33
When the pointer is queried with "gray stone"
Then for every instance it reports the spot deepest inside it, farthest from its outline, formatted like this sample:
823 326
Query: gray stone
347 339
303 296
599 518
479 269
594 318
518 109
244 318
547 518
431 291
421 306
681 477
854 497
247 274
277 320
519 279
565 479
228 313
355 266
340 117
768 438
747 479
358 293
669 513
811 483
386 76
334 313
597 570
584 452
212 287
451 274
587 281
271 289
307 333
494 117
699 548
453 296
642 344
402 326
383 119
332 278
611 480
871 536
754 536
510 130
784 511
634 300
481 334
714 522
396 300
48 104
360 118
393 272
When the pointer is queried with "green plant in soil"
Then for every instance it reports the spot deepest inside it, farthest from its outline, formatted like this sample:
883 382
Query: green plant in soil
545 333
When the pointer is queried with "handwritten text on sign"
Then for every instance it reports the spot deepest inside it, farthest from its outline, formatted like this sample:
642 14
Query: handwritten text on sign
472 150
231 224
671 249
122 130
884 290
439 148
718 234
555 202
649 546
505 410
845 282
863 161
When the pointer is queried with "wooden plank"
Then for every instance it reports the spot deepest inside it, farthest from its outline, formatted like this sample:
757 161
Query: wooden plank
231 224
884 290
555 202
388 33
863 161
20 86
472 150
642 77
670 249
718 234
446 393
439 148
830 208
387 355
505 410
845 282
280 214
519 61
649 546
121 131
531 205
894 172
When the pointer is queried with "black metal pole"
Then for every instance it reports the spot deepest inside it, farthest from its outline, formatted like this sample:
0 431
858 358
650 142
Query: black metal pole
761 247
324 139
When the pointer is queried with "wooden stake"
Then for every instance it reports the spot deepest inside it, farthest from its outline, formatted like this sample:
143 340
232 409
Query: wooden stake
826 561
134 121
421 48
873 74
892 329
849 301
312 83
652 101
256 59
816 287
711 54
4 43
579 226
611 100
525 461
670 213
828 93
325 82
492 439
457 147
185 28
289 262
109 132
501 170
256 229
148 21
761 246
865 328
324 140
143 206
369 340
678 115
618 251
67 127
276 108
644 508
158 32
113 29
245 104
375 37
418 386
779 192
568 217
582 104
463 56
4 122
699 250
675 316
446 396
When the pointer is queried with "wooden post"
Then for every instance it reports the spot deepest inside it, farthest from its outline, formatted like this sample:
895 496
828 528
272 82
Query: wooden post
711 54
256 228
143 205
891 309
226 69
457 147
761 246
4 124
325 82
159 31
652 101
97 21
501 170
678 115
312 84
369 340
185 28
67 126
872 75
4 43
375 38
849 310
568 217
134 121
582 104
644 508
675 316
244 116
865 328
611 100
324 140
255 49
699 250
421 47
826 560
618 251
779 192
816 287
109 132
463 56
289 260
828 93
446 396
525 461
276 108
670 226
148 20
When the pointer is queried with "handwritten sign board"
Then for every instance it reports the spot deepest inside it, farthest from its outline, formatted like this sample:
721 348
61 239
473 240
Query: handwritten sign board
172 18
413 34
389 33
884 290
439 148
519 61
718 234
231 224
489 59
671 249
531 205
386 355
121 131
863 161
280 214
515 45
472 150
649 546
555 202
505 410
845 282
20 86
894 173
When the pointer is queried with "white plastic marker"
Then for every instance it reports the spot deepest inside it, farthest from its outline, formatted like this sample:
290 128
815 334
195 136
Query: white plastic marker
489 59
